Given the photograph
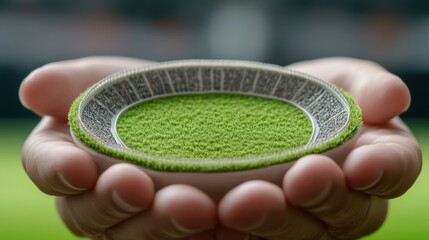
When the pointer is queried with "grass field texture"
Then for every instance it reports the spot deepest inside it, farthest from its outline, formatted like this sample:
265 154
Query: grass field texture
25 213
213 126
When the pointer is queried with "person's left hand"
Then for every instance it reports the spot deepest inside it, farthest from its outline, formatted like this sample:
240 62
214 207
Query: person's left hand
320 199
118 203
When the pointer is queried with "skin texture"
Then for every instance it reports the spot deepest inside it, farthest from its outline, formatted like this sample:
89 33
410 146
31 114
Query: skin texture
318 200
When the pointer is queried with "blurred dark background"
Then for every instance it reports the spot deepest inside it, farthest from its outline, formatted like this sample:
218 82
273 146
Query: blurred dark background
392 33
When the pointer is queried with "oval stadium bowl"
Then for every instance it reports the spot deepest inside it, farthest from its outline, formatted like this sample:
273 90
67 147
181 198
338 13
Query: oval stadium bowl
333 120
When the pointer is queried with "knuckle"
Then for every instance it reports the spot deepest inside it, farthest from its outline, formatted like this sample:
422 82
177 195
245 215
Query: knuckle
66 216
407 168
109 234
361 222
83 221
88 229
30 158
94 218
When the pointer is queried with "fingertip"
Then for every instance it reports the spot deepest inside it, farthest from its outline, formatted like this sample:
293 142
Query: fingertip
43 91
382 170
311 180
58 168
23 93
363 168
28 89
176 212
260 209
76 169
189 209
248 205
40 87
130 188
386 98
402 92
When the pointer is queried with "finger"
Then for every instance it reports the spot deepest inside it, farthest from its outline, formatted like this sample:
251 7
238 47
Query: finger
317 185
386 162
380 94
259 208
51 89
54 163
177 212
121 191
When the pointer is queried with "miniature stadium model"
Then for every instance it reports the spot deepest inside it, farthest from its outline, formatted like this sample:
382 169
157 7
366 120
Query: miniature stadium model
213 123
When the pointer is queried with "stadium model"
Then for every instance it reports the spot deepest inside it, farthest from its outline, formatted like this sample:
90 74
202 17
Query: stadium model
333 115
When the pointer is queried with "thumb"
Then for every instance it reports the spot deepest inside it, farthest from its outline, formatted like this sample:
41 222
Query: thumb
51 89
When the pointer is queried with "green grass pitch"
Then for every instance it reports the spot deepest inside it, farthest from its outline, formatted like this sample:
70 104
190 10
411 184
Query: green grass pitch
231 165
213 126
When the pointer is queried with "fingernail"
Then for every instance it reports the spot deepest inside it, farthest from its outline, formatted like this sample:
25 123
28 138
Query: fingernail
371 185
67 184
319 199
182 228
123 204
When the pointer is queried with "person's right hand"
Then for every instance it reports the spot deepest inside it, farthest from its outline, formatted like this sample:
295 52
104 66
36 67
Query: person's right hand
119 203
325 198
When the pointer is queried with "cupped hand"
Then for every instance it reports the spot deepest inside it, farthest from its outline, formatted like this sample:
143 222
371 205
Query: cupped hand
320 199
119 203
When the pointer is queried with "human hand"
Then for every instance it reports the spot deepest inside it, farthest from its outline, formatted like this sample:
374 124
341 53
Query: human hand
119 203
320 199
89 209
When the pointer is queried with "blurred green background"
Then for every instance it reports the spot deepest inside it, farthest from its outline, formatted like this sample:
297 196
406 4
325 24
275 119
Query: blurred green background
36 32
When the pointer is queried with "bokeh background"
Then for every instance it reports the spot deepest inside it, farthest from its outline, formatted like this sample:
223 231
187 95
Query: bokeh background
35 32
